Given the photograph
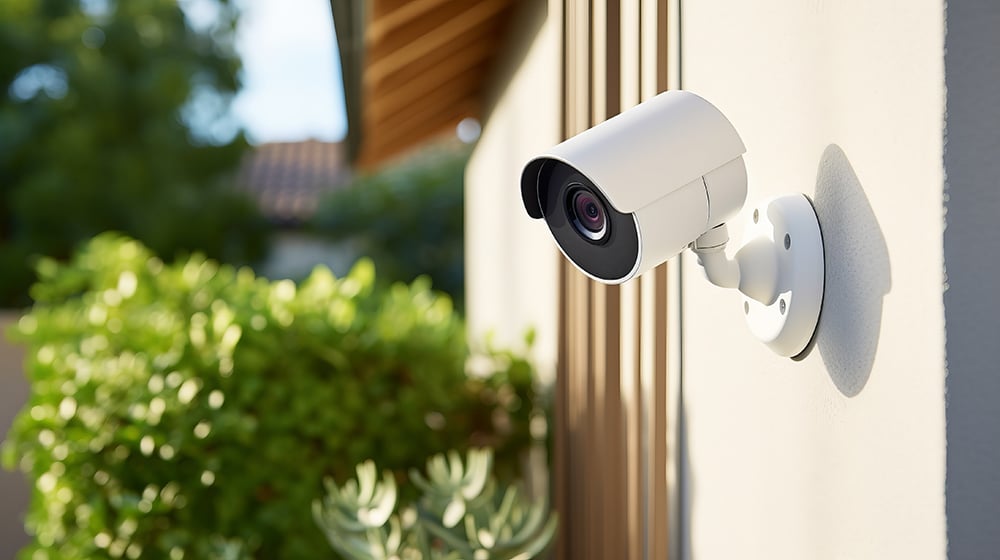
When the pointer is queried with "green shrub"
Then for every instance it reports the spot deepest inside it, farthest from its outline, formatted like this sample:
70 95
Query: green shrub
407 217
463 513
192 410
98 105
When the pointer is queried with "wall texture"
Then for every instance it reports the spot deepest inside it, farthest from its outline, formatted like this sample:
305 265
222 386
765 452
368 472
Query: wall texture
841 455
511 277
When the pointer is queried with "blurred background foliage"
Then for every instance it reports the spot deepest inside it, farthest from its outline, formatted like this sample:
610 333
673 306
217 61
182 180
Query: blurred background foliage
98 105
192 410
407 217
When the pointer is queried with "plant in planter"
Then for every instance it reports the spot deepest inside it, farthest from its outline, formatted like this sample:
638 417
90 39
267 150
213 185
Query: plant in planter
192 410
463 513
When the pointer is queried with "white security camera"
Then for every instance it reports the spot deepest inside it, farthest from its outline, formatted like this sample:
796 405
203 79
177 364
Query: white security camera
635 190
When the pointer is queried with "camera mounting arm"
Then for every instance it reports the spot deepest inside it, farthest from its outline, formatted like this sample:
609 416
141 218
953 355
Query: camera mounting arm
779 270
753 270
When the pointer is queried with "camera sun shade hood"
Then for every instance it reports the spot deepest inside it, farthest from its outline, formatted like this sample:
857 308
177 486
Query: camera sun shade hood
698 138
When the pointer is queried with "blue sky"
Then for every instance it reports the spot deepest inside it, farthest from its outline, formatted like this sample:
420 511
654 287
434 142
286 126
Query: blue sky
292 88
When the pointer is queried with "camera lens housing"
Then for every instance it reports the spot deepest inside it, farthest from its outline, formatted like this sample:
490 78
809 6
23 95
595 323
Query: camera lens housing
587 214
588 229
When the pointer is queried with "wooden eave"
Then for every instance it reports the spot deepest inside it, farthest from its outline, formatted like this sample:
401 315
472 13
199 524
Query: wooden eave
424 68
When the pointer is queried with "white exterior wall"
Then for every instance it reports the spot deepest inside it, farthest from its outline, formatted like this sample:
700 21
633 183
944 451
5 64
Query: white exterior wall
511 267
841 455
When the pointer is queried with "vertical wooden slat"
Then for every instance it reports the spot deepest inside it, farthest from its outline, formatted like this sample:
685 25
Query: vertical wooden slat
598 323
653 363
587 470
584 469
631 402
631 396
579 472
658 521
647 366
665 41
612 58
595 421
630 53
609 451
598 60
654 80
668 76
574 367
598 429
651 58
561 491
578 100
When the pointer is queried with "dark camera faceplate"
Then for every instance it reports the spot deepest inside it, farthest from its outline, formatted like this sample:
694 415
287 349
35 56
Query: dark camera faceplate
616 255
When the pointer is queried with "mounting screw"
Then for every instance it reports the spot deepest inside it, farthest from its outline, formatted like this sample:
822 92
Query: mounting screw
746 307
781 306
756 215
788 241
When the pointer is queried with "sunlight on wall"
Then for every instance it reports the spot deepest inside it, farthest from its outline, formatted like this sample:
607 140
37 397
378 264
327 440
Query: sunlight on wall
511 278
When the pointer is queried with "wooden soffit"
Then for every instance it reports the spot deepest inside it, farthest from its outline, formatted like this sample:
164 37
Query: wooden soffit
425 66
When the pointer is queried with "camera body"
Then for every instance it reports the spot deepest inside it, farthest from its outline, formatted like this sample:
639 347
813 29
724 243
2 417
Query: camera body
635 190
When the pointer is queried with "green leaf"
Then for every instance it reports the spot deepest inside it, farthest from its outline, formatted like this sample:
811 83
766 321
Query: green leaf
454 512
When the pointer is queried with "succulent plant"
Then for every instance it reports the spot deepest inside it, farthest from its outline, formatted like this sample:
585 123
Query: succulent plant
358 515
452 487
463 514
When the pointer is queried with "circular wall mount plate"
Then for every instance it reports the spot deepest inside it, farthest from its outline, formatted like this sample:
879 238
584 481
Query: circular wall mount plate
787 326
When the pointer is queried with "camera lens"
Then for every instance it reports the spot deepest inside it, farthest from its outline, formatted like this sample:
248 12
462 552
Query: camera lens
587 214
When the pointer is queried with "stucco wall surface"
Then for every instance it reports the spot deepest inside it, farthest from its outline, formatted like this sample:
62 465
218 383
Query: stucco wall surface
511 268
842 455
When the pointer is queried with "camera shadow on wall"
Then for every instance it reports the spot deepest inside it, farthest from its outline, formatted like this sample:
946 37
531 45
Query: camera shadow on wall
858 275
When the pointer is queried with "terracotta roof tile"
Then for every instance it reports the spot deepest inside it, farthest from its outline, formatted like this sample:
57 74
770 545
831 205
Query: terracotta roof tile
288 179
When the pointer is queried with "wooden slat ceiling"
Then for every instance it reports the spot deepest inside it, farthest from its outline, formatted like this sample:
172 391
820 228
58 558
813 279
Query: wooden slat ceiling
425 67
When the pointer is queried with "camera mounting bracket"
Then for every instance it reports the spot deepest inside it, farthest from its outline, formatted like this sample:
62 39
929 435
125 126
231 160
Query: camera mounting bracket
779 270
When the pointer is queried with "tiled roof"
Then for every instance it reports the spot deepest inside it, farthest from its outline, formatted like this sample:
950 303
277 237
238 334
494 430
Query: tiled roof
288 179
